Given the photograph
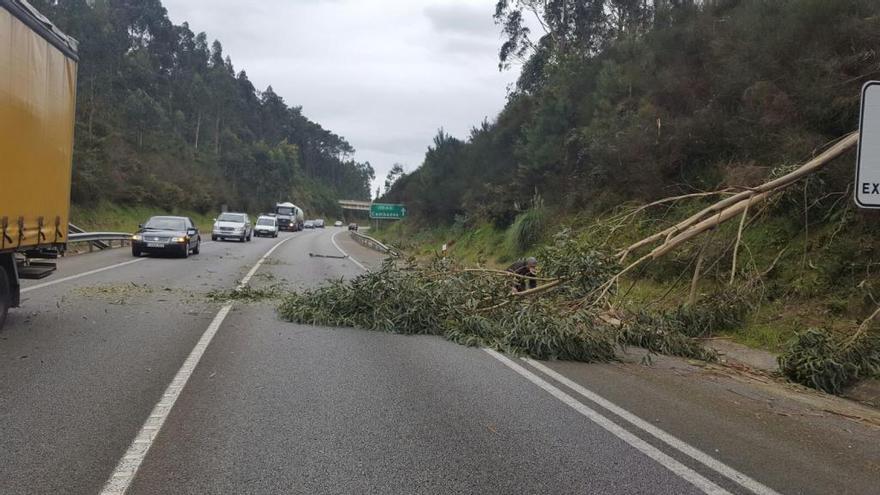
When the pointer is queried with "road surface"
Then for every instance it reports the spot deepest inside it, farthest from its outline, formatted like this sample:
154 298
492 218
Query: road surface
121 375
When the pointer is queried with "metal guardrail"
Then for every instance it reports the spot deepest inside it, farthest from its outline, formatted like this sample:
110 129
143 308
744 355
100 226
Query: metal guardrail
371 243
76 230
98 237
100 240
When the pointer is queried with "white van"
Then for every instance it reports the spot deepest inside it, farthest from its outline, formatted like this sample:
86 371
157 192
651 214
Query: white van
266 226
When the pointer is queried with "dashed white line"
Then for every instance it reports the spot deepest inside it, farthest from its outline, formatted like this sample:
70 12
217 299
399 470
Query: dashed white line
80 275
356 262
85 274
686 473
703 458
250 274
131 461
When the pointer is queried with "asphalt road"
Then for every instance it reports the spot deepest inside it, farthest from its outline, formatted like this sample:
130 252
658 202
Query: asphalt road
129 375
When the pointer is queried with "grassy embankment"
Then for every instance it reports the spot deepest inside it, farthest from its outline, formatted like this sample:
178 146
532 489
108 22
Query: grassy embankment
108 217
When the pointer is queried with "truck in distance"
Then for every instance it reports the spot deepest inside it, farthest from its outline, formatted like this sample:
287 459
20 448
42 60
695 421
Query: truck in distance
290 217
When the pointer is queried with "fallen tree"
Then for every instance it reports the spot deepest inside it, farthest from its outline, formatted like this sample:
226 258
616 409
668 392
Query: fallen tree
569 315
727 208
723 210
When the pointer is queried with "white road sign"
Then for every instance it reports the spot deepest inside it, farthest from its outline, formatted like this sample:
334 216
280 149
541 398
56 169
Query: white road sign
868 166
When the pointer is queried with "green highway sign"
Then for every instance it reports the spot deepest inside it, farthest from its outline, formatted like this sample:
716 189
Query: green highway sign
389 211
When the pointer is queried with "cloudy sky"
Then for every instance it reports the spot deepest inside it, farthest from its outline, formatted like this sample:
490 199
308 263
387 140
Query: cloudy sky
385 74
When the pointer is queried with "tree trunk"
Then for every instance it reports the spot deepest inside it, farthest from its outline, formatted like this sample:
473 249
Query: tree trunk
692 297
92 106
198 129
217 134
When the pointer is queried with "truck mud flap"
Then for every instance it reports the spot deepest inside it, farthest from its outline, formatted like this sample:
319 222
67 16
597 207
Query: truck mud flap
36 270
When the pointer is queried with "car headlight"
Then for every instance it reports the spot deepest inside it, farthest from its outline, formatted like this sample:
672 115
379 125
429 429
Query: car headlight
179 239
137 237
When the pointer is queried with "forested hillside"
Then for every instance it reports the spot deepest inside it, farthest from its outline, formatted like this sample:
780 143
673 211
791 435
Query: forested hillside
631 119
623 100
165 120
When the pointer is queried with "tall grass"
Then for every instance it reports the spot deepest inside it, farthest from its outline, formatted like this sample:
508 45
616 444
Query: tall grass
528 228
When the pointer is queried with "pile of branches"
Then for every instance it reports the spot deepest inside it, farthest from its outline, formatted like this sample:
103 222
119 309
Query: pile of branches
819 359
675 331
477 307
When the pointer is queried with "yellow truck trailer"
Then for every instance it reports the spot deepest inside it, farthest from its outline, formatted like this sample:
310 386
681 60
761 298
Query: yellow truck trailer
37 110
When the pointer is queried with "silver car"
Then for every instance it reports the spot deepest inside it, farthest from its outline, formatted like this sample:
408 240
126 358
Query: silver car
232 226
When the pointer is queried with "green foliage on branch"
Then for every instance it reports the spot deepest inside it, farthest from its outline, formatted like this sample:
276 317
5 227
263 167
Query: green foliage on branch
477 308
576 260
818 359
465 307
672 331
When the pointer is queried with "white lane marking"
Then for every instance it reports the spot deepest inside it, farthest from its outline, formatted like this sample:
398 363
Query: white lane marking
131 461
85 274
705 485
356 262
250 274
674 442
80 275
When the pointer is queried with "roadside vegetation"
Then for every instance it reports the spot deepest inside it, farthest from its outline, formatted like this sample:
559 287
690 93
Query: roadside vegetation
109 217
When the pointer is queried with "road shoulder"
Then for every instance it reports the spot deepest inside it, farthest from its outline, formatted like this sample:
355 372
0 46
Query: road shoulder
747 420
369 258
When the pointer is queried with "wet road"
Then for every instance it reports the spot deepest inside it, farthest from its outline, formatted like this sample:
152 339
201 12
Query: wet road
127 375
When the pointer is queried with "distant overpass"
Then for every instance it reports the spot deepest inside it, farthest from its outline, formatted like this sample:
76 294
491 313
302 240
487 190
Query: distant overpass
352 204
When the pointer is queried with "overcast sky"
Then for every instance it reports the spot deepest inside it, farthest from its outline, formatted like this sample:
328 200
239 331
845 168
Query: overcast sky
385 74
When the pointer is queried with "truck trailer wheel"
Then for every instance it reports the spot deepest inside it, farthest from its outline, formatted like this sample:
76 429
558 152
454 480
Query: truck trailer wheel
5 295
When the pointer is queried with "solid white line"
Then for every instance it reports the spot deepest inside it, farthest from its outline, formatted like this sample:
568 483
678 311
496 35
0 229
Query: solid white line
703 458
79 275
128 466
688 474
356 262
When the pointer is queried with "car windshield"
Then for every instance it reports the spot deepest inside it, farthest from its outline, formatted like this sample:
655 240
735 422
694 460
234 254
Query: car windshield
285 211
164 223
231 217
266 221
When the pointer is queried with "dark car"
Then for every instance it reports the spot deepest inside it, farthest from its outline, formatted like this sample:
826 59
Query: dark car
169 235
352 226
